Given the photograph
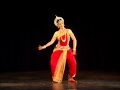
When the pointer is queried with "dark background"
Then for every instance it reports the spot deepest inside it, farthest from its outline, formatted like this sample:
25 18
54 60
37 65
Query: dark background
27 26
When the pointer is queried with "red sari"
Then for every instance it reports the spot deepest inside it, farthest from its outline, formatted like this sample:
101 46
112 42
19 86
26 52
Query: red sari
62 53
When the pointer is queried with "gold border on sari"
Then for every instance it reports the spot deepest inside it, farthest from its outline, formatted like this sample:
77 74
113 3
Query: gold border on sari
58 75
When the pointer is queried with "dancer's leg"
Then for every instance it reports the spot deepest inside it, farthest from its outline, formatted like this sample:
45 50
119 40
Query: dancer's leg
72 64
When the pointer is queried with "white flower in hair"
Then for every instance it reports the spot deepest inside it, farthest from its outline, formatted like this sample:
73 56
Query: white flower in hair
57 18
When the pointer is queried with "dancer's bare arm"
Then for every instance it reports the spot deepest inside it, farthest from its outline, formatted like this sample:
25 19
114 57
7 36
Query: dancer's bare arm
73 38
51 42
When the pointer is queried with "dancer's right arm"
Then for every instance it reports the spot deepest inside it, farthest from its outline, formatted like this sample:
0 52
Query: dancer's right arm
51 42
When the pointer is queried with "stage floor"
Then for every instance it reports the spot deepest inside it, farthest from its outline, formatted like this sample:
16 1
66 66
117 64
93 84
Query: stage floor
41 80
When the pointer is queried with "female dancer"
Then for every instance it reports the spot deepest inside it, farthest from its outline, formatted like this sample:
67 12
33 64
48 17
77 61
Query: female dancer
62 52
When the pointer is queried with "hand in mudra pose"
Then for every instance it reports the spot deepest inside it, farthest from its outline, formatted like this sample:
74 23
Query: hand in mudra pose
39 47
74 52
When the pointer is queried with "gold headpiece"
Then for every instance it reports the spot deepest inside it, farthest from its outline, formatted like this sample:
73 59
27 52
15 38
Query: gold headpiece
56 19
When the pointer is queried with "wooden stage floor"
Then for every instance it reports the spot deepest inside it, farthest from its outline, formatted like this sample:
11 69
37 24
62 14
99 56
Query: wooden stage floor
41 80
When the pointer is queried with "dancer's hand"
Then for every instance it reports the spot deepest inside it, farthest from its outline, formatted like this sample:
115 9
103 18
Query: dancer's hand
39 47
74 52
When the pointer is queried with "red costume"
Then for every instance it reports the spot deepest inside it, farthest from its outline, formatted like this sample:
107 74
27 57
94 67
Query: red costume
62 53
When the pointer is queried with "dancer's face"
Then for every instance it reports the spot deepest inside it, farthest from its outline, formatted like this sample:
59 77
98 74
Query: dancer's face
60 24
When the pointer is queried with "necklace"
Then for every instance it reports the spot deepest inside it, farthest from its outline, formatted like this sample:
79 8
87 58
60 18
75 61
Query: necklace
61 36
63 39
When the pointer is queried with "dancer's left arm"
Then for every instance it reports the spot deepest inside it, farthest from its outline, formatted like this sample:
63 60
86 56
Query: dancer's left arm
74 40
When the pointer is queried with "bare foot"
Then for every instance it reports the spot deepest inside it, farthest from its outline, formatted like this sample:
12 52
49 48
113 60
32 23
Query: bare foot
72 80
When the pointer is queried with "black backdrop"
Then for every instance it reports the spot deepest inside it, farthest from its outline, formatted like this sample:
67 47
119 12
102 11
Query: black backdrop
26 28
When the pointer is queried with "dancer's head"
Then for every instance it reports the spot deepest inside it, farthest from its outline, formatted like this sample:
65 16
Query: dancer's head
59 22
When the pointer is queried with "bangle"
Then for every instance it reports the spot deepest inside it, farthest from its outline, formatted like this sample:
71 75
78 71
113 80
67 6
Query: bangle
74 49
